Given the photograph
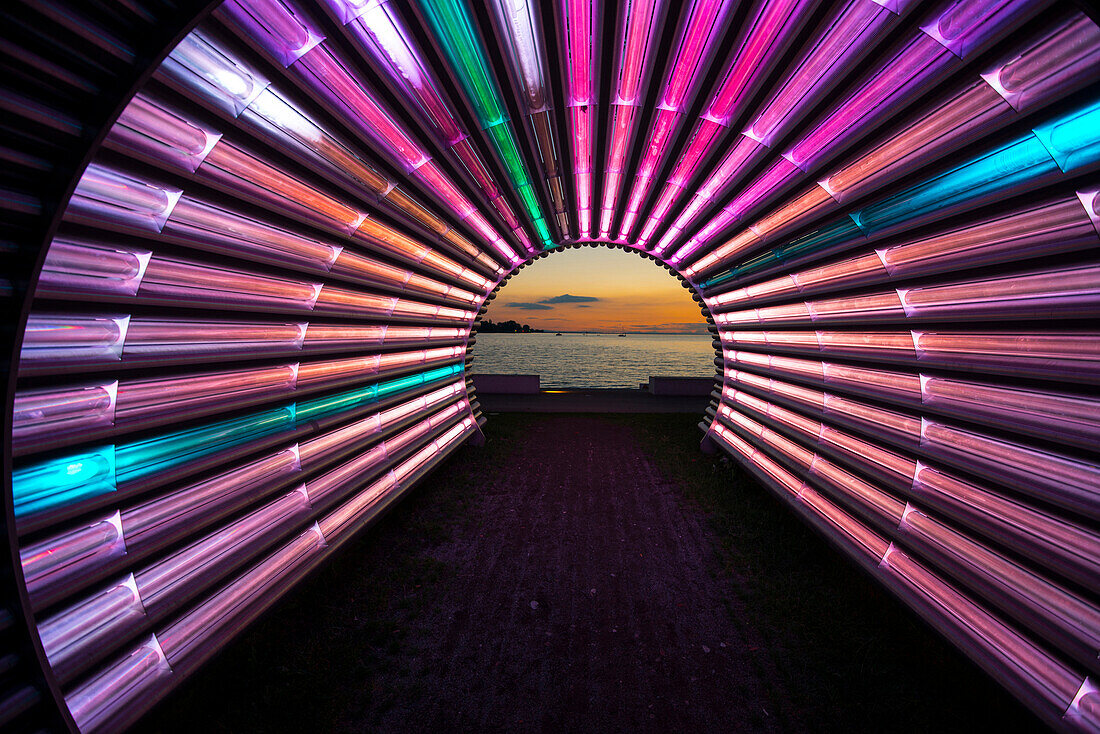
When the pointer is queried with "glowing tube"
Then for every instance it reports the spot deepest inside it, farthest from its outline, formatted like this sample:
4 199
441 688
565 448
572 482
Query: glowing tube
459 40
62 564
381 33
914 66
842 36
523 47
1045 229
577 21
703 18
324 71
71 479
1046 476
219 387
634 61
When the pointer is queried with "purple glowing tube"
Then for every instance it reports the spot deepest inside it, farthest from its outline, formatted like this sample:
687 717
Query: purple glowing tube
206 71
1068 291
634 62
577 19
105 195
1069 418
101 703
1033 231
1050 477
702 19
162 134
764 38
54 566
209 227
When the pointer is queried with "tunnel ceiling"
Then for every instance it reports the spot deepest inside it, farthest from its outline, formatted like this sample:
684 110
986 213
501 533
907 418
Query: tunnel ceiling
246 330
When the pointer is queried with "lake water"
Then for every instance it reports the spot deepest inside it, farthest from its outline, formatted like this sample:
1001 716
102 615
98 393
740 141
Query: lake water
594 360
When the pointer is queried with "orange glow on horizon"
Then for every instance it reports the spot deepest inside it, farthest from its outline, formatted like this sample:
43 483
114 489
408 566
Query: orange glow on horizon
597 289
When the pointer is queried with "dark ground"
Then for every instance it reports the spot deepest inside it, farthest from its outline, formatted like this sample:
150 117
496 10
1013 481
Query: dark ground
589 573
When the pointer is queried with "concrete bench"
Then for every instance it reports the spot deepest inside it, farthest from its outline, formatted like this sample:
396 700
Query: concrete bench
506 384
661 385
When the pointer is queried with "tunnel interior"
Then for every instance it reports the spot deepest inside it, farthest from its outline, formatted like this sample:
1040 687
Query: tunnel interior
249 243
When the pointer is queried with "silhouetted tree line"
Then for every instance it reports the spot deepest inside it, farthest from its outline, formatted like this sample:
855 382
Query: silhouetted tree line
506 327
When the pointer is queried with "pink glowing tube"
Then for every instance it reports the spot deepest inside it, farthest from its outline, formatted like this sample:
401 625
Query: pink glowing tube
916 65
162 134
577 22
1039 536
703 19
380 32
195 636
245 173
204 70
762 41
58 565
1034 231
70 339
105 196
634 61
1068 57
322 69
737 157
844 35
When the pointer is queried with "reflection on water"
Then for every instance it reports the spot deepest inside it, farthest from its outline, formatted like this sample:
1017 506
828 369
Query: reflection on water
603 360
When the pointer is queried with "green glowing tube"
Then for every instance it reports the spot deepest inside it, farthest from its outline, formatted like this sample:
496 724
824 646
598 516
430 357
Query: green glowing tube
454 30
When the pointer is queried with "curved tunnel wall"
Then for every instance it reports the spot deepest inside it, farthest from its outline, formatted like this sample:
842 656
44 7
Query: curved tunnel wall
248 328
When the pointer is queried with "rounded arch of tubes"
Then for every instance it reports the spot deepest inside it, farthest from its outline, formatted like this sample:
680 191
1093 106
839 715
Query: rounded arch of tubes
245 332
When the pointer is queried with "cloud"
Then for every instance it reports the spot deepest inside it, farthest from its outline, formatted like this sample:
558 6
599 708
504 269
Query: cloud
529 306
568 298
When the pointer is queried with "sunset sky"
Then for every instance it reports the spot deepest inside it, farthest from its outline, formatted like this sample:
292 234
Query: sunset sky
597 289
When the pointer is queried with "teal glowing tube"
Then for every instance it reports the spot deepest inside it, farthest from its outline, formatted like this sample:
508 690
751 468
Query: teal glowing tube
64 481
454 30
1066 143
835 233
70 479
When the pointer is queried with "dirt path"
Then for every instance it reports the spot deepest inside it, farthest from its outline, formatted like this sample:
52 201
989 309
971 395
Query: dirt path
584 598
557 580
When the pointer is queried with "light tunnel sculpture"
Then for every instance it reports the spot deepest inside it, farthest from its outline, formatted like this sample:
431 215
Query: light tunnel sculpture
247 243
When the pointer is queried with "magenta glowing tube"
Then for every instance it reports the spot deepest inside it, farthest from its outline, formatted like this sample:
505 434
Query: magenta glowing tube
325 72
702 20
381 33
842 36
578 26
640 21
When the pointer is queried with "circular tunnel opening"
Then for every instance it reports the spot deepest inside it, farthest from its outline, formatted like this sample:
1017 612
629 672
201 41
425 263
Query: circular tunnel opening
601 319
